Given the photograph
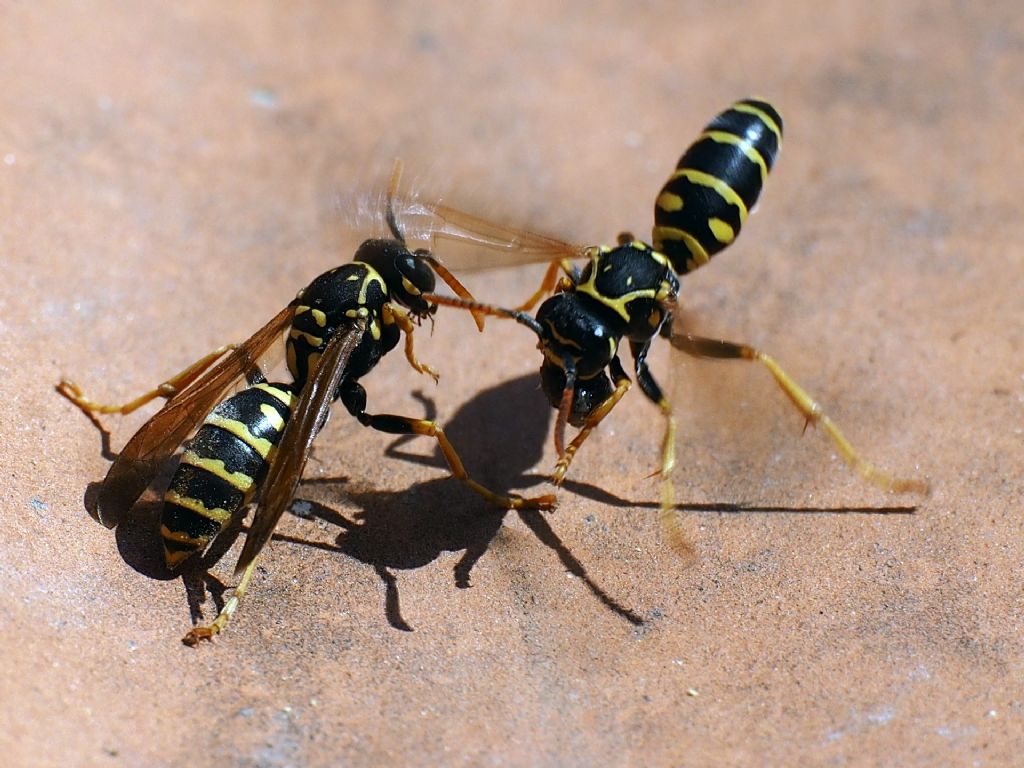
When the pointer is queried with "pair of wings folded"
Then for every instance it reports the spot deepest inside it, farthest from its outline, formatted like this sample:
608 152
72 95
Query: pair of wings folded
156 441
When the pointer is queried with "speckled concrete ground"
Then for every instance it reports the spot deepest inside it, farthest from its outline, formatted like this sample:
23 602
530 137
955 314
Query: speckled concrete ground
171 176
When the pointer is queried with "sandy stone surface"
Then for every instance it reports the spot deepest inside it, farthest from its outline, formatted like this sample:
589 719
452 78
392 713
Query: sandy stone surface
171 174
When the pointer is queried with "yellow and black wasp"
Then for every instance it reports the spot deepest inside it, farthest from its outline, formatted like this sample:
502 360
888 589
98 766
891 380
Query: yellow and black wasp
630 292
256 442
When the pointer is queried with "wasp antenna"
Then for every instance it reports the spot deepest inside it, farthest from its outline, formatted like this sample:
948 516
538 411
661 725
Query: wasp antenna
396 178
488 309
453 282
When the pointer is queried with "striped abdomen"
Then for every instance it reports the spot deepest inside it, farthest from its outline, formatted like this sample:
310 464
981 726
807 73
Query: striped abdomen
704 203
222 466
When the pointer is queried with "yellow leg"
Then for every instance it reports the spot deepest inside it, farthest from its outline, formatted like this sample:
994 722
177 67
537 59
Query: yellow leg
812 411
167 389
405 425
595 418
394 314
198 634
668 517
547 285
432 429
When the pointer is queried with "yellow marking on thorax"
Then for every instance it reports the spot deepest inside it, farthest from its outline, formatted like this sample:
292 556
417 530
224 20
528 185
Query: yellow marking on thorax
237 480
726 192
261 445
616 304
371 276
320 317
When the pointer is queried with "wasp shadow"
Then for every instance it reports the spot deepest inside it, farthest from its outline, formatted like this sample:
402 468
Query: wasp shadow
602 496
500 435
137 535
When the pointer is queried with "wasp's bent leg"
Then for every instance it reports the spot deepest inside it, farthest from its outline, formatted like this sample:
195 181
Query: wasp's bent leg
167 389
198 634
811 410
354 397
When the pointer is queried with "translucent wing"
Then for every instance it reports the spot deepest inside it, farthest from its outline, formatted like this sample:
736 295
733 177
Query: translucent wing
139 461
290 457
497 245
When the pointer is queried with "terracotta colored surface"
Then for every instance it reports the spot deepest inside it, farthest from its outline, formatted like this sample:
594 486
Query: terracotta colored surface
168 180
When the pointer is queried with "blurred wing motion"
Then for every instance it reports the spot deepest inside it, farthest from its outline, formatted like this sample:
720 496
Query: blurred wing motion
290 456
140 460
497 244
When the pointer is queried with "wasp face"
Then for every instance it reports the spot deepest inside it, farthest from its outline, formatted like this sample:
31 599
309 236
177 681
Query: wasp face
587 393
416 279
407 274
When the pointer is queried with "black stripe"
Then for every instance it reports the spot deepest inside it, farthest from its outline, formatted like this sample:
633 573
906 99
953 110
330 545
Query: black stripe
700 204
185 521
728 163
212 442
173 545
245 407
204 486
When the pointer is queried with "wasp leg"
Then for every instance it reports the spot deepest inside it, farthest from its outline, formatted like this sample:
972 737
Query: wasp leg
670 525
812 411
564 407
651 388
622 384
393 314
198 634
547 285
354 398
167 389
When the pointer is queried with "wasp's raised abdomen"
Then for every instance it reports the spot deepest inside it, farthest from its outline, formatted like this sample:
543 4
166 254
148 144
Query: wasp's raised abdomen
716 183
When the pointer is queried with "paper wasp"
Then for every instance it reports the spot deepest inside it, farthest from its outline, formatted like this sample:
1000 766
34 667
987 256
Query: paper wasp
630 291
256 442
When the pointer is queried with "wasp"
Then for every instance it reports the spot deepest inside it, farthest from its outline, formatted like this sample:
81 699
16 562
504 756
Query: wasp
256 441
627 293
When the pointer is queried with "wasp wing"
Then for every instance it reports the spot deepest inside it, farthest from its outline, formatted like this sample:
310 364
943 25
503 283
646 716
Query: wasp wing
290 457
497 245
140 460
